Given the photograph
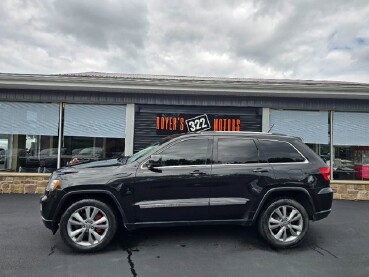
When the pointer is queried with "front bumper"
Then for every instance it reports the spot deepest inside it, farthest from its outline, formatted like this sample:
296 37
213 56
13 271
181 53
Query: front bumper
49 224
46 205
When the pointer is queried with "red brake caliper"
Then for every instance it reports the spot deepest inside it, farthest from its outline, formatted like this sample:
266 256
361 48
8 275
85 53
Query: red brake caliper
98 230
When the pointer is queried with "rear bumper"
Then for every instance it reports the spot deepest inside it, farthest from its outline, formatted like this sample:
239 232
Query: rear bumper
322 214
323 207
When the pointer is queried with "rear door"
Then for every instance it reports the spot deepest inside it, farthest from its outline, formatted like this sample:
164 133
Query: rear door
289 164
238 177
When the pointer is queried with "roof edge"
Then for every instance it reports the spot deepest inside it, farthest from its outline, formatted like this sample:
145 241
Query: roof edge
186 85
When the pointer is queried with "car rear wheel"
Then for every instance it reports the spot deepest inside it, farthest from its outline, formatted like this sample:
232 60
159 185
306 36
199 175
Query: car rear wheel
88 225
284 223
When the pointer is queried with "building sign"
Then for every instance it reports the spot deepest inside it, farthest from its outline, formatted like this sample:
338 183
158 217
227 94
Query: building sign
198 123
168 124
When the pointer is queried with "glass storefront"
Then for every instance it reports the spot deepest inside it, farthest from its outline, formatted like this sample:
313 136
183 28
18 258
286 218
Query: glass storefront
29 135
82 149
311 126
351 146
350 138
28 153
92 132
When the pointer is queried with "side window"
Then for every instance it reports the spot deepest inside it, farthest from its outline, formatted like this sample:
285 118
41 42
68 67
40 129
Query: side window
280 152
237 151
188 152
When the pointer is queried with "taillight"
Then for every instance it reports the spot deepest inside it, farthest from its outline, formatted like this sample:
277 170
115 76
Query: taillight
326 173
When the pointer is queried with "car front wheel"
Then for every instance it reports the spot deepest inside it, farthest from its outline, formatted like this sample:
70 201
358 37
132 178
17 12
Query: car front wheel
284 223
88 225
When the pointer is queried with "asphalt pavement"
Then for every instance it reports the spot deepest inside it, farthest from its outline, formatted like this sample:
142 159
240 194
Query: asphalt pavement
336 246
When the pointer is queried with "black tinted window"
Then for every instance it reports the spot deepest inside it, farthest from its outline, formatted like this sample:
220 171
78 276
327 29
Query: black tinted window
280 152
188 152
237 151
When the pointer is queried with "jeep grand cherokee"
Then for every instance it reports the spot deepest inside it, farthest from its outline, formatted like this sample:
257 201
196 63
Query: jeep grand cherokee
273 181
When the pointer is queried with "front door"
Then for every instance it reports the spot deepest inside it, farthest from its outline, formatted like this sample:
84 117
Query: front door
178 189
238 177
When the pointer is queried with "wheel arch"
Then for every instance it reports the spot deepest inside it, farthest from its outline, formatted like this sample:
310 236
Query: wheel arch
301 195
102 195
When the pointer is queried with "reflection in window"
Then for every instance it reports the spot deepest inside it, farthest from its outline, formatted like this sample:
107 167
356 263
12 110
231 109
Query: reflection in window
188 152
237 151
280 152
29 153
83 149
321 149
351 163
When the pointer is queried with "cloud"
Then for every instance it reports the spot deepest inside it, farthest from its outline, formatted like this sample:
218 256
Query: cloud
255 39
102 24
69 36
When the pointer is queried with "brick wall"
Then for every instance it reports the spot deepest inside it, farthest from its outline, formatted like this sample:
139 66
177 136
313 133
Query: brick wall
350 190
31 183
26 183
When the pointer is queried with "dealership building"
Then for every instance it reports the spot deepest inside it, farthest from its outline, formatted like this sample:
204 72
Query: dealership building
50 121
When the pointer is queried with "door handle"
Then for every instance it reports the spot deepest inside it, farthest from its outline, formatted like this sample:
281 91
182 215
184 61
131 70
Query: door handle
197 173
261 170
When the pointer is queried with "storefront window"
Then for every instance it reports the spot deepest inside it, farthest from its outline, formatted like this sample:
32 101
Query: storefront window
92 132
83 149
321 149
351 146
28 136
311 126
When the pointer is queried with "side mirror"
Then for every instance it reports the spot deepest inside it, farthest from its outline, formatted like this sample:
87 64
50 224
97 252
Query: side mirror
154 161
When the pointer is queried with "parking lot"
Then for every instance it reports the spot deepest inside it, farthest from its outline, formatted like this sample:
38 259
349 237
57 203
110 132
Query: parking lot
337 246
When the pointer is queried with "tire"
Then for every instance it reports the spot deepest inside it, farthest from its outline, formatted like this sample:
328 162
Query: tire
283 223
92 230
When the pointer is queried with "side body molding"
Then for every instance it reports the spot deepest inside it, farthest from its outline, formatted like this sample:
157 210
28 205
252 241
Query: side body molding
192 202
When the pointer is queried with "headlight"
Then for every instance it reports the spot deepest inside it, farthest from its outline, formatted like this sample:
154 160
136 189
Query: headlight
52 185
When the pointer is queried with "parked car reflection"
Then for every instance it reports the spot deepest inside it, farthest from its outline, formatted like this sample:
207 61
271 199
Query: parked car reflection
46 161
2 156
87 154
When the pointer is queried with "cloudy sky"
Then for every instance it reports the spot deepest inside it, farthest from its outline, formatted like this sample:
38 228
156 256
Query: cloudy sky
290 39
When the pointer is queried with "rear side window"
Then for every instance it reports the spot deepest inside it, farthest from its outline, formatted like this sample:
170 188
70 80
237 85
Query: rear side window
280 152
237 151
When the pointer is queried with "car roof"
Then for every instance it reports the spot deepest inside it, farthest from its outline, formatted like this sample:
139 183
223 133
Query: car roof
261 135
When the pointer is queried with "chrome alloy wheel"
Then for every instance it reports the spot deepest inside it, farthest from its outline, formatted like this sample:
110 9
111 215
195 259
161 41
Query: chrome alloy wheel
88 226
286 223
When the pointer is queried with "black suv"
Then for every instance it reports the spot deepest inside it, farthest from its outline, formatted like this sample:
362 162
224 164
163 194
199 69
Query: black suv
274 181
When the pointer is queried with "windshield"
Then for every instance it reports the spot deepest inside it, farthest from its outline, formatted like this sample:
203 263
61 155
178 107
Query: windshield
150 149
142 153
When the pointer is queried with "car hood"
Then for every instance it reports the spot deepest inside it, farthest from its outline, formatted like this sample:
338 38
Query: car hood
97 172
